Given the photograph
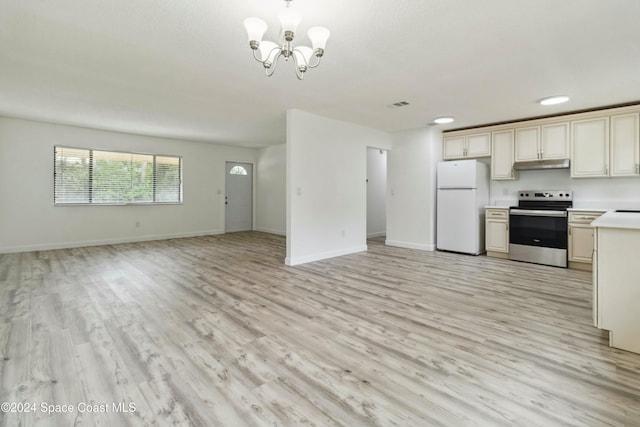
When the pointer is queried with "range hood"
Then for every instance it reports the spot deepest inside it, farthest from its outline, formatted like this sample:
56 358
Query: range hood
541 164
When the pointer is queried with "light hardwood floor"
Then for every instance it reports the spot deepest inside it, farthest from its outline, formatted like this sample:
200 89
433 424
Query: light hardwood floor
216 331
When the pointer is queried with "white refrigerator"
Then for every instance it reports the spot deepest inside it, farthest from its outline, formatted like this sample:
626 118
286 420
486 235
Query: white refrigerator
463 193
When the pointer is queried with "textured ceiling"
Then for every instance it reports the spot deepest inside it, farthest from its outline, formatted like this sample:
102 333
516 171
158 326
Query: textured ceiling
183 69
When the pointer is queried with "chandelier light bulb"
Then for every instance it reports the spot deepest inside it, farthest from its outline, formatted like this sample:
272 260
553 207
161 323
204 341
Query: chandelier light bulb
268 51
289 19
318 37
303 55
256 28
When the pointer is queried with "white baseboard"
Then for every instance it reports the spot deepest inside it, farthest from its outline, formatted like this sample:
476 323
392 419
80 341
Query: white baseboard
271 231
324 255
410 245
100 242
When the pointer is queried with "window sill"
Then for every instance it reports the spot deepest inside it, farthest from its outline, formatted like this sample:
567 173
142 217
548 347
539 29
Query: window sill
57 205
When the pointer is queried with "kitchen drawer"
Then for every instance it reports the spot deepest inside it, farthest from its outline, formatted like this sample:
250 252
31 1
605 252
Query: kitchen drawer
497 214
583 217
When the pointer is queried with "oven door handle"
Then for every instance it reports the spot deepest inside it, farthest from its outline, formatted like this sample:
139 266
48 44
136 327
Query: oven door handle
527 212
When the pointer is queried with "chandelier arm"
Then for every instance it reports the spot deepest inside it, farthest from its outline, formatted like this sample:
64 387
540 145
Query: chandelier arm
255 56
295 57
316 63
269 71
300 69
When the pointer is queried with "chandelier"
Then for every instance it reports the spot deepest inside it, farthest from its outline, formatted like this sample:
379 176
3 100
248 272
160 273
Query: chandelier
269 53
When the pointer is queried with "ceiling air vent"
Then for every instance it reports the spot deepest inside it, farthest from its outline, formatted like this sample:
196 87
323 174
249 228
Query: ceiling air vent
399 104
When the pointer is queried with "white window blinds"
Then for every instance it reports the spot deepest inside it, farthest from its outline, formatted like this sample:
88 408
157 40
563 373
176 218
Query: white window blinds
110 177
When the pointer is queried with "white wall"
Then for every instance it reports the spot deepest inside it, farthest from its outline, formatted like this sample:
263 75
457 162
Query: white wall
271 180
376 192
326 187
608 193
29 221
411 189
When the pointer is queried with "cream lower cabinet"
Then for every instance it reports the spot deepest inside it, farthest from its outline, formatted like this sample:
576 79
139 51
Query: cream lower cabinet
497 232
616 286
581 239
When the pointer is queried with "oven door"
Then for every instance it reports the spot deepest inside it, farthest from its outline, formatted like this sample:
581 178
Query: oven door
538 236
544 228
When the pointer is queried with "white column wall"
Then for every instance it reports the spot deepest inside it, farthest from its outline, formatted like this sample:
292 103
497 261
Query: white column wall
411 189
271 180
326 186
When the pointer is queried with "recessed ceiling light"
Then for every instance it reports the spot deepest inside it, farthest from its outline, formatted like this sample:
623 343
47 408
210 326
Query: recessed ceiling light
443 120
553 100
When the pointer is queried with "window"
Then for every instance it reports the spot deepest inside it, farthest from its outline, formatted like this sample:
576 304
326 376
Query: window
110 177
238 170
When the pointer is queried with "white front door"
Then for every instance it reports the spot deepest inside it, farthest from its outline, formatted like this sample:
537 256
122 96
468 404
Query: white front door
239 197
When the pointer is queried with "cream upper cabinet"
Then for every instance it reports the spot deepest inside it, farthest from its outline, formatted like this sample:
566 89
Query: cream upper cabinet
502 155
590 148
554 141
542 142
603 143
625 145
467 146
453 148
527 144
479 145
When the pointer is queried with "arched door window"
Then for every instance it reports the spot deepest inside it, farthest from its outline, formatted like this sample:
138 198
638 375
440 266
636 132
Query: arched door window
238 170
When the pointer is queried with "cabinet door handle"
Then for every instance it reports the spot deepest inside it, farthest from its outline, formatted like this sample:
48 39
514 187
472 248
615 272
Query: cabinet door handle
637 168
507 226
570 231
606 169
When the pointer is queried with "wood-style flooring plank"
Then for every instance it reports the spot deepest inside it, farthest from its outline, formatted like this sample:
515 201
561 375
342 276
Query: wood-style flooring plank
216 330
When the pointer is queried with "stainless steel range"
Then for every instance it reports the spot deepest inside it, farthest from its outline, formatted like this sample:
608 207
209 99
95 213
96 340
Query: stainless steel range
538 227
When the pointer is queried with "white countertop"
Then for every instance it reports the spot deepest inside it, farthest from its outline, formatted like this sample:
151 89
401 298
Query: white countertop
612 219
588 210
497 207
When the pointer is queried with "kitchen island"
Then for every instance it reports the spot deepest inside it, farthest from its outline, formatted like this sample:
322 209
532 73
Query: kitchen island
616 287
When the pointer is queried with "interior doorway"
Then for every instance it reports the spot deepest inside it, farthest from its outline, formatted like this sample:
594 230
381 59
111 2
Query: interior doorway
376 193
238 197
